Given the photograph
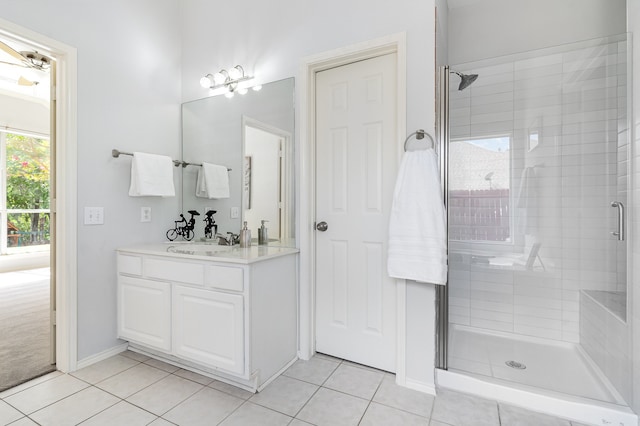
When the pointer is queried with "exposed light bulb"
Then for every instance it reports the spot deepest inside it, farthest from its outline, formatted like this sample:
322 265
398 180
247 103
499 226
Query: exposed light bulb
206 81
219 78
242 90
235 72
257 87
229 95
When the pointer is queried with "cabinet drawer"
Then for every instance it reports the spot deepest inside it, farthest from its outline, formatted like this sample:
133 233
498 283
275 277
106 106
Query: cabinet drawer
224 277
183 272
128 264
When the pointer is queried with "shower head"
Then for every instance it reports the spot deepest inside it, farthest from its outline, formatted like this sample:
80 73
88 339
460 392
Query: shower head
465 79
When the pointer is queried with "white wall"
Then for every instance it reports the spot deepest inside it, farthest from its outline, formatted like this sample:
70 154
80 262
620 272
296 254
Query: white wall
633 26
490 28
270 43
128 98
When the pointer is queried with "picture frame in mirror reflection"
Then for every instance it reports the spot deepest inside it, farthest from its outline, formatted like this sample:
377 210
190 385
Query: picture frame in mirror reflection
246 184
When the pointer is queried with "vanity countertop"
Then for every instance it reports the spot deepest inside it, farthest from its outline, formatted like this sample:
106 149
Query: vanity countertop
210 251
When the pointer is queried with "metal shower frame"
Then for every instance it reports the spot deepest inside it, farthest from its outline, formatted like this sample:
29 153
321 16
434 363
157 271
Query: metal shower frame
442 291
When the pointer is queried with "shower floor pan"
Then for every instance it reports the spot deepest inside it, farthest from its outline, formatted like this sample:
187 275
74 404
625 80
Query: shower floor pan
542 375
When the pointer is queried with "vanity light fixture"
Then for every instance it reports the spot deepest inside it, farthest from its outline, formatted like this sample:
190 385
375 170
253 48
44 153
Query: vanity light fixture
229 80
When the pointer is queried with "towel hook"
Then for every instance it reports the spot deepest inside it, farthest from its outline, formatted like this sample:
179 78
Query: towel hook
420 134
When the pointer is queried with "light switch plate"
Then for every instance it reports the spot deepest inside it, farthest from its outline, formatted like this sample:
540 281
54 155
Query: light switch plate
235 212
94 215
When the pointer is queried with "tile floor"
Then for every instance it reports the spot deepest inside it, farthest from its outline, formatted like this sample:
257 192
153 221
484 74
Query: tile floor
131 389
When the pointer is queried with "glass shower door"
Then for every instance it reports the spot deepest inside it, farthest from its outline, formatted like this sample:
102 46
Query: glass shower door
537 184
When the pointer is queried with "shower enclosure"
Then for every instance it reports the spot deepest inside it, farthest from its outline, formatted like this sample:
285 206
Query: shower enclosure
535 168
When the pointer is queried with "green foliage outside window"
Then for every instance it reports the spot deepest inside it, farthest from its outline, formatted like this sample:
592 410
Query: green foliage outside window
27 188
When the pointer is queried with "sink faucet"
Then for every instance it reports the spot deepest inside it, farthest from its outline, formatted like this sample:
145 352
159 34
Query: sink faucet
230 240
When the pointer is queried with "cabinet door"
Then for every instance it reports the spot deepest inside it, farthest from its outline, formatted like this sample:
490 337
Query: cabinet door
208 328
144 312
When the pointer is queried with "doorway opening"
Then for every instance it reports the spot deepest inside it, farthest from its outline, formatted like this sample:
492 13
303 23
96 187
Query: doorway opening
27 346
61 121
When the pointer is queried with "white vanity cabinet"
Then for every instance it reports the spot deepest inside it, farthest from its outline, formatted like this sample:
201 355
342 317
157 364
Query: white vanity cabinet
230 314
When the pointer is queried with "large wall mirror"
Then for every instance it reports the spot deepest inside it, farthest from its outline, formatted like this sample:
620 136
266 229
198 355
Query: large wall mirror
252 135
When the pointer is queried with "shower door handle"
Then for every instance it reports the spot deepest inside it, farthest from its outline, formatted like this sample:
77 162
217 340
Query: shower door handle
620 232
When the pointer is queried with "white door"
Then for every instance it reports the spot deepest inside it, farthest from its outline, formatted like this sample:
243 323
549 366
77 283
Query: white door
356 165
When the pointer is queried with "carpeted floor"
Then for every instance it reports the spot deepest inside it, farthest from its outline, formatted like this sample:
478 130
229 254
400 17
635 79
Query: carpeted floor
24 326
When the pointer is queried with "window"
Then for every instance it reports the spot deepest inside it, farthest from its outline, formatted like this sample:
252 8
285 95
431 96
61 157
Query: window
24 201
479 189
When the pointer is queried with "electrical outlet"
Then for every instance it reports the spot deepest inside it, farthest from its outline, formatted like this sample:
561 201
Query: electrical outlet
235 212
145 214
94 215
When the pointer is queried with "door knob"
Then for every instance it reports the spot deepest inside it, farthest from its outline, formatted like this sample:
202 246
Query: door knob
322 226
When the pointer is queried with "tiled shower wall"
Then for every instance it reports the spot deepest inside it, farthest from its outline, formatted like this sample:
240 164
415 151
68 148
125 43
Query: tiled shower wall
573 101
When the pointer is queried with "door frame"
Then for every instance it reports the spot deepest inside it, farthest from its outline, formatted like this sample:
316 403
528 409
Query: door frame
394 43
65 203
286 171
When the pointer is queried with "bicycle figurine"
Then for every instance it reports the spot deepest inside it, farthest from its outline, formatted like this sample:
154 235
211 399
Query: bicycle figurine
186 230
210 228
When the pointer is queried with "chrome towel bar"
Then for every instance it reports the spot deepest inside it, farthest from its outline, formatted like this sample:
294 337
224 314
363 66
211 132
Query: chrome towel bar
117 153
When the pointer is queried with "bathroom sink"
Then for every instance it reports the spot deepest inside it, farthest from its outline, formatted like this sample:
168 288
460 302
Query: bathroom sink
199 249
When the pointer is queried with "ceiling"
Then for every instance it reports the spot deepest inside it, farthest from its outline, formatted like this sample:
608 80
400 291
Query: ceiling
10 75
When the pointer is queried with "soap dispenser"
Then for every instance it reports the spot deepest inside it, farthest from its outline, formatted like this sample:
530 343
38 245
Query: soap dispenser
245 236
263 237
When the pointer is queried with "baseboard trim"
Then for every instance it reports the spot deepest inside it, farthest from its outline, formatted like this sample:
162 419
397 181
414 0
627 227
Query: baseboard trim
102 356
420 386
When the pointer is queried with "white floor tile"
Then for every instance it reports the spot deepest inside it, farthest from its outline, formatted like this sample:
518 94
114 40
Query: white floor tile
285 395
132 380
315 371
205 408
122 413
25 421
30 384
405 399
135 355
355 381
381 415
298 422
437 423
75 409
164 394
60 399
194 377
253 414
459 409
8 414
45 393
331 408
161 365
104 369
231 390
161 422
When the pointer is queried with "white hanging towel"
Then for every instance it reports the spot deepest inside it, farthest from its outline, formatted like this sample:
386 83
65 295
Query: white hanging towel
213 181
151 175
417 237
